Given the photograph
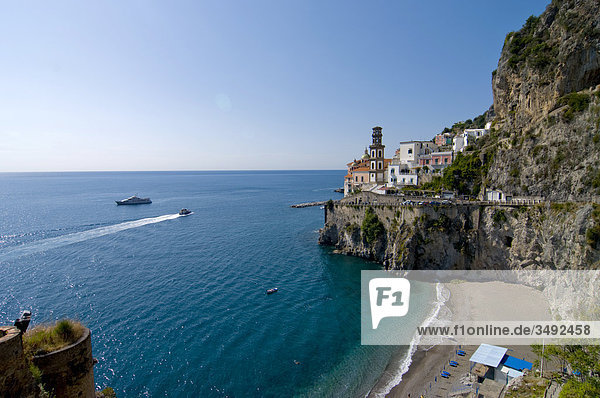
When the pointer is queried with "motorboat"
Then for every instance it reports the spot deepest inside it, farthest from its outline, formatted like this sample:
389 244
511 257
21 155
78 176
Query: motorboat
133 200
271 291
184 212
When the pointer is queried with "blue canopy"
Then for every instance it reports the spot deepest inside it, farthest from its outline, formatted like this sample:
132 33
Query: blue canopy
516 363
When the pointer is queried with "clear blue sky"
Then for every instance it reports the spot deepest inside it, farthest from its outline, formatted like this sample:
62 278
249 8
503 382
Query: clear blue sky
198 85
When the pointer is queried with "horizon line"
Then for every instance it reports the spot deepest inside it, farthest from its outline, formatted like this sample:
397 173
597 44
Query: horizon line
158 171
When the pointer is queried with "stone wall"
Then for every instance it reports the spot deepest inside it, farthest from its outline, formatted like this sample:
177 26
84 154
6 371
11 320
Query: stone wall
15 377
69 371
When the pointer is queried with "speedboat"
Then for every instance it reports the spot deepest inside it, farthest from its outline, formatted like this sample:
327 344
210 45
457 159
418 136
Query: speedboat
184 212
271 291
133 200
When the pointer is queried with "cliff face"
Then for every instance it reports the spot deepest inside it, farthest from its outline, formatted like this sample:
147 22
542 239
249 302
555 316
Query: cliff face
546 137
468 237
552 55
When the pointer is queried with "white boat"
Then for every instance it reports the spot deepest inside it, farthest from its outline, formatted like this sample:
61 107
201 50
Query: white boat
133 200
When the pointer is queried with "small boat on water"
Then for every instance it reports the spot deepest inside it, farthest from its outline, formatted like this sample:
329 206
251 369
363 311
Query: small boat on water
184 212
271 291
133 200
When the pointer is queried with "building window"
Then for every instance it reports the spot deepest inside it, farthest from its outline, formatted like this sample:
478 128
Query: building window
411 180
356 178
427 161
373 153
380 166
410 151
437 160
372 165
446 160
379 153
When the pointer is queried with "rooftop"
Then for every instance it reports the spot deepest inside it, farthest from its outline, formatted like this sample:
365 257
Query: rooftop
490 355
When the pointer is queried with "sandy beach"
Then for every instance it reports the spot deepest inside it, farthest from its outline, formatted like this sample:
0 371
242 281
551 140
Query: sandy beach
470 301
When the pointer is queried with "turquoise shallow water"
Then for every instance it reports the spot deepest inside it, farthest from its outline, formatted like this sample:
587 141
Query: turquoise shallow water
177 305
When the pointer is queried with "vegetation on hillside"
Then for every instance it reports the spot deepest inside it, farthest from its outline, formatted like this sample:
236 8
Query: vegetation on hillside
465 175
530 45
372 228
577 102
592 235
582 363
43 339
476 123
530 387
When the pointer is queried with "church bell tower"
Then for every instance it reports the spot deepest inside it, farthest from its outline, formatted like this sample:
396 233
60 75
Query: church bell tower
377 152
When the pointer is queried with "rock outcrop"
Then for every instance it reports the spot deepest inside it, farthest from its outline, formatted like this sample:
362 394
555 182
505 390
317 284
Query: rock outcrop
546 137
552 55
468 236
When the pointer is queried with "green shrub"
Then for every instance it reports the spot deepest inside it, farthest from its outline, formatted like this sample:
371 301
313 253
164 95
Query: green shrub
108 392
574 388
530 46
330 204
36 373
577 102
592 235
567 207
372 228
499 217
48 338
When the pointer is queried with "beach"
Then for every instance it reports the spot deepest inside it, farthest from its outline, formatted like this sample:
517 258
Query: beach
469 301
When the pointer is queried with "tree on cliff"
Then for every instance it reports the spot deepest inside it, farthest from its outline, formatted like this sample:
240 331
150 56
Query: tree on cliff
372 228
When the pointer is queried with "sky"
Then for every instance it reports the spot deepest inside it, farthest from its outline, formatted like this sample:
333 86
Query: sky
234 85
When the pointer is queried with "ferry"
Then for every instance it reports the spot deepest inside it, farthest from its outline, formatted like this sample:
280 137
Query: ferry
133 200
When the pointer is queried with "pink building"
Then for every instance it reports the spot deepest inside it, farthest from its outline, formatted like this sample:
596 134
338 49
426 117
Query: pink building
443 139
436 160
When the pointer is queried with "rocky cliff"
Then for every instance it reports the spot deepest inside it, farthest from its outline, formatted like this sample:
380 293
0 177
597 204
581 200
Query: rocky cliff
544 141
558 236
546 137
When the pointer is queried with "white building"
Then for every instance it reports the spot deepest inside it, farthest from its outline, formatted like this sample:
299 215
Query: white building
409 151
468 137
400 175
496 195
492 362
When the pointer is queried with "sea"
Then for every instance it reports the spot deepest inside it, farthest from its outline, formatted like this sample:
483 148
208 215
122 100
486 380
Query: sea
177 305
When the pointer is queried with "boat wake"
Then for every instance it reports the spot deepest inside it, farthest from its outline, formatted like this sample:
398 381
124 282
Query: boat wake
76 237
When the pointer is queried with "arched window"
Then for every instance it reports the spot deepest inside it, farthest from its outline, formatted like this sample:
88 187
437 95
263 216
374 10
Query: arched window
379 153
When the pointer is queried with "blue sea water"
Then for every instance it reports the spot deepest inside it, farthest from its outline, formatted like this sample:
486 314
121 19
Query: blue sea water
177 305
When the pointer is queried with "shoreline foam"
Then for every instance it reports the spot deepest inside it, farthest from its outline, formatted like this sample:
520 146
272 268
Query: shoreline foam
384 387
425 363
